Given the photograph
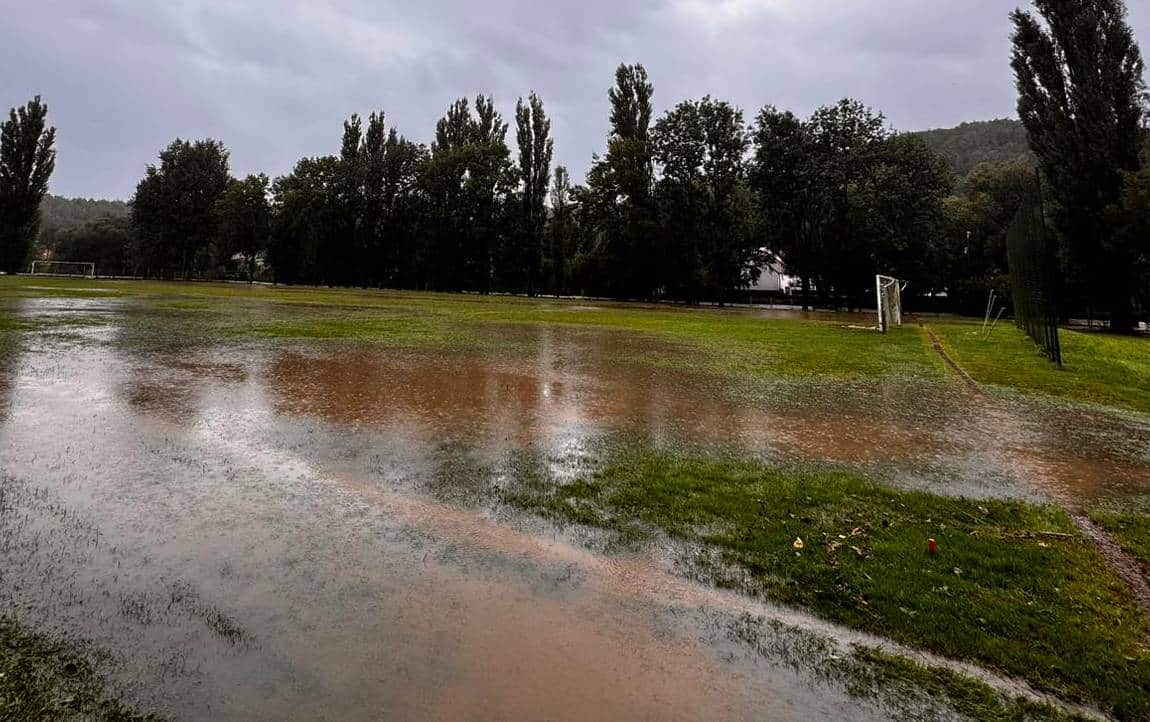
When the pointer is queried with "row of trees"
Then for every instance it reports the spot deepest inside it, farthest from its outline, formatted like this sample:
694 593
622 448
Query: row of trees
687 206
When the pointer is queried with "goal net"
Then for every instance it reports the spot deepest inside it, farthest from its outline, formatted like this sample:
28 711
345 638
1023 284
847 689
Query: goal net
64 268
888 291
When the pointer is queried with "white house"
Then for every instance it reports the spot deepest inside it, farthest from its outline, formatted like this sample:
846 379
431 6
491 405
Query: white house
773 278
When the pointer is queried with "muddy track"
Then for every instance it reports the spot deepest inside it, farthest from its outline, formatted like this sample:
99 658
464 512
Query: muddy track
970 382
1129 569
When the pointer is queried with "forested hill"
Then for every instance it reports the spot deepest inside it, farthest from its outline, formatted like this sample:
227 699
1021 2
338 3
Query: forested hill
972 143
61 214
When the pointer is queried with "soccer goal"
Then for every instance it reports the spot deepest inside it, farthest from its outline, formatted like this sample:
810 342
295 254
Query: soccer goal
888 291
63 268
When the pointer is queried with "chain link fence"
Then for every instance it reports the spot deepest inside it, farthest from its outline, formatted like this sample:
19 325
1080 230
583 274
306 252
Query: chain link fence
1031 254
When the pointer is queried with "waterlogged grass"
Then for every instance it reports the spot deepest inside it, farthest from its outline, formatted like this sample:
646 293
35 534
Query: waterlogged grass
1131 529
41 679
903 688
1014 586
1097 368
974 699
397 331
720 341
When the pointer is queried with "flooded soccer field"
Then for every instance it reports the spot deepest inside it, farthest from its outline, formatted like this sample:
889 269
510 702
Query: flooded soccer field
292 507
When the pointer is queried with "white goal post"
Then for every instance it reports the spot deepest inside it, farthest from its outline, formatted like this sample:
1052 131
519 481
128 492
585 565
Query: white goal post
63 268
888 292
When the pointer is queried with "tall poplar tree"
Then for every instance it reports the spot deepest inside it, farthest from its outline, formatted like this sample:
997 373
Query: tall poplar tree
536 147
27 159
1081 96
619 188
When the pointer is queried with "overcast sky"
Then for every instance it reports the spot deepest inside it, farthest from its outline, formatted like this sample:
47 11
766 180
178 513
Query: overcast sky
274 79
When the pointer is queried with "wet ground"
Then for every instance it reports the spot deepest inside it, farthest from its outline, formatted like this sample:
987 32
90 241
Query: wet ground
303 530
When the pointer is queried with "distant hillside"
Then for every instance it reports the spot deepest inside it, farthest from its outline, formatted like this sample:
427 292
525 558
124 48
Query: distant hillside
972 143
61 214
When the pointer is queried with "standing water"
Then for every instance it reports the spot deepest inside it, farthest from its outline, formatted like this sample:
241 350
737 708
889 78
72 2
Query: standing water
294 530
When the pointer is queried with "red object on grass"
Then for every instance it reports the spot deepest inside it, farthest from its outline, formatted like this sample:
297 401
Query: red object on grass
932 546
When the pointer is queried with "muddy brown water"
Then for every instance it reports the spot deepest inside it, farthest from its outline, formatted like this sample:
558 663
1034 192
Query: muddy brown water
288 530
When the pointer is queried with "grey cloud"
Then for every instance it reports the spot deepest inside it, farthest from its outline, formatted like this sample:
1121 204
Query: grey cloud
274 80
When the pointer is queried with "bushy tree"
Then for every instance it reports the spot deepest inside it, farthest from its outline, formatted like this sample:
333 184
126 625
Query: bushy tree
785 178
106 242
841 198
897 209
1130 217
27 159
466 183
706 217
372 199
1081 95
173 210
243 216
302 221
976 218
846 139
392 199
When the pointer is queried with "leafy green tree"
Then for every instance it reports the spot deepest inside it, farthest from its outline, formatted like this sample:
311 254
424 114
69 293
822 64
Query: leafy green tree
1130 216
976 218
561 234
243 216
303 216
536 147
846 138
371 209
1081 95
105 242
898 211
705 208
392 181
27 159
678 143
784 176
173 211
467 182
804 175
346 253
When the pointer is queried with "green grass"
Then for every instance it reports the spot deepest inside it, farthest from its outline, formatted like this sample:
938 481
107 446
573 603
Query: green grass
1098 368
41 679
1131 529
1000 592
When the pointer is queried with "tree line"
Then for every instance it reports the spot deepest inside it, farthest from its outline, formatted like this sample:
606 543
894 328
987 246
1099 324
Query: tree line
688 206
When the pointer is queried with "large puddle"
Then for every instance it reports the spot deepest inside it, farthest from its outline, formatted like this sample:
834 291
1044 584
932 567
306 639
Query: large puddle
290 530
